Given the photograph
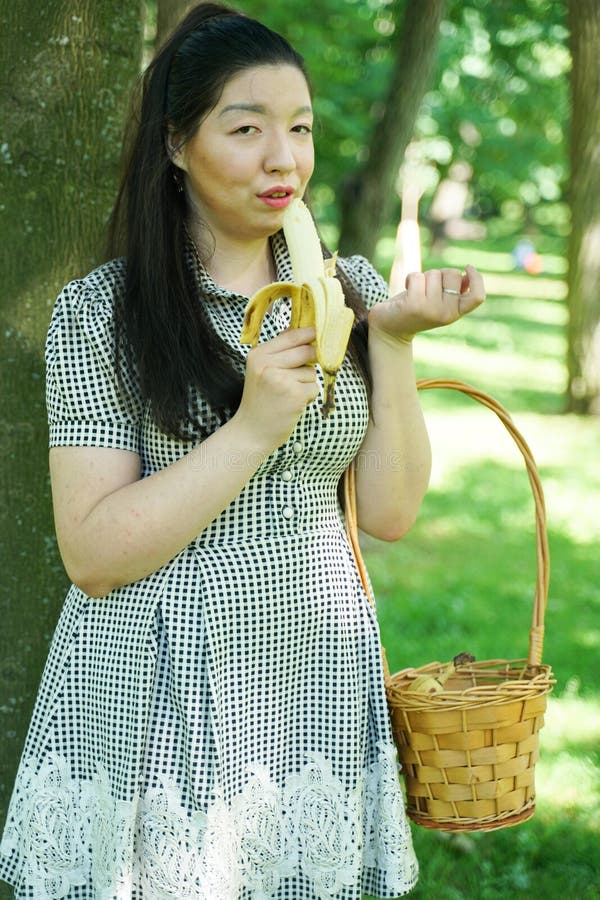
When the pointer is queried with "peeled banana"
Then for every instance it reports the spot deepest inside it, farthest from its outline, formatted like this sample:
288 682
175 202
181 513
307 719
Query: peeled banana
316 295
433 684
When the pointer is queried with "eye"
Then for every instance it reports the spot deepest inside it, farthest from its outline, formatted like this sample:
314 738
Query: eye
246 129
302 129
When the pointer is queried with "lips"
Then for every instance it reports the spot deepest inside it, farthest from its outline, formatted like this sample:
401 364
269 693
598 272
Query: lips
277 197
277 192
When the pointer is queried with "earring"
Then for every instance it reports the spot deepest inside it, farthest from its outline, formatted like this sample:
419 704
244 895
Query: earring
178 180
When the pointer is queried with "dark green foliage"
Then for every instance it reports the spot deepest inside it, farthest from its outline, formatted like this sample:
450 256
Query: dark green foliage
499 101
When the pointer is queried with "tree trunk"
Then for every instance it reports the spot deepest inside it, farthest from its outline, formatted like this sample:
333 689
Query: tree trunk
369 195
583 355
68 68
169 13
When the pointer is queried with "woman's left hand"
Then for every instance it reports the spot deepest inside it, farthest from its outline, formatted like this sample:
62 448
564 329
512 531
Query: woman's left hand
431 299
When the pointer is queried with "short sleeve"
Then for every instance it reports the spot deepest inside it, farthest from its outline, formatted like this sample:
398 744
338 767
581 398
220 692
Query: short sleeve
86 404
370 284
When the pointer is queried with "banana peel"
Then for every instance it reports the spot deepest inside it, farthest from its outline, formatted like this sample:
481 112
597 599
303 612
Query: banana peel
433 684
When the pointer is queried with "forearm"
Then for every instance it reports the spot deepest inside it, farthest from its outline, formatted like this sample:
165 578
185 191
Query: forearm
141 526
394 461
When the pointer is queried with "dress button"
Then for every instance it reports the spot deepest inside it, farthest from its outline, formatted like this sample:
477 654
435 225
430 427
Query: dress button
287 512
286 475
297 447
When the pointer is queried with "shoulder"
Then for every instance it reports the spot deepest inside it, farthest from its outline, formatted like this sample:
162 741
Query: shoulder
89 402
108 279
366 279
85 306
81 334
99 288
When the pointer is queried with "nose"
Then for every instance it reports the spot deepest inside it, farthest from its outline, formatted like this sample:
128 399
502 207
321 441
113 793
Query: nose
280 156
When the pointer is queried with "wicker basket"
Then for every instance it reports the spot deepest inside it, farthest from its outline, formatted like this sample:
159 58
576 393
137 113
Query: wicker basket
468 753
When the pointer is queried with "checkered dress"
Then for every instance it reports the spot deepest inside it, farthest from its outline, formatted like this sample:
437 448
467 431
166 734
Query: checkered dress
218 729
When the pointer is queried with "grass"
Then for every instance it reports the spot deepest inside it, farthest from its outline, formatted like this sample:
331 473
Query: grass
463 578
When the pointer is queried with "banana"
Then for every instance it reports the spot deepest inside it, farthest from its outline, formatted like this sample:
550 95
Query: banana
316 295
430 684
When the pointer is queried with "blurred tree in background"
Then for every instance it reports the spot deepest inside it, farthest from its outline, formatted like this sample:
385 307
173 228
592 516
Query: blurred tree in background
500 104
367 200
168 14
584 245
497 107
498 101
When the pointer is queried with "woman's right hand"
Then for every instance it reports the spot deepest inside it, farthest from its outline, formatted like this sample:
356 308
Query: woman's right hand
280 382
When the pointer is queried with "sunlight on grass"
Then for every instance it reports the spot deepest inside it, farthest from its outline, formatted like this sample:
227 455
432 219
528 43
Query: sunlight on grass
566 782
514 371
588 638
463 437
525 286
466 361
567 775
572 720
570 507
544 311
492 261
488 260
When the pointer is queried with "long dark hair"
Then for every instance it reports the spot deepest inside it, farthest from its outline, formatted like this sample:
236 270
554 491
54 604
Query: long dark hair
161 320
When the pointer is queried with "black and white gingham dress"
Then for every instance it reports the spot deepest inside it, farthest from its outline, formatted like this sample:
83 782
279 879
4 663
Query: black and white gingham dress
217 730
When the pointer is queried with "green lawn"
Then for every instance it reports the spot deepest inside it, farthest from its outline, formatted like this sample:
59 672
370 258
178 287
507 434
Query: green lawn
463 578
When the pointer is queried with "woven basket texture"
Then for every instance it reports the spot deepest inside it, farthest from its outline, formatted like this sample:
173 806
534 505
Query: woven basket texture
468 752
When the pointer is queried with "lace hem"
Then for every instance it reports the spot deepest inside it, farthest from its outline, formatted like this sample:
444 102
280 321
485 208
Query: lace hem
70 833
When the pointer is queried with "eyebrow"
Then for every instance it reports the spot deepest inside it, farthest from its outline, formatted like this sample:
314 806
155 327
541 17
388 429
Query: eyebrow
258 108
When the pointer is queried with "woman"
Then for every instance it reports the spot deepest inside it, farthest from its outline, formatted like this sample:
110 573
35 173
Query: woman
212 719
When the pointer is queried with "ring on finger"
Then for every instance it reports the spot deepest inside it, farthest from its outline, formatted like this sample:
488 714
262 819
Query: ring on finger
450 291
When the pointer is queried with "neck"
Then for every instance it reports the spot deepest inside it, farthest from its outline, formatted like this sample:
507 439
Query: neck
243 270
242 267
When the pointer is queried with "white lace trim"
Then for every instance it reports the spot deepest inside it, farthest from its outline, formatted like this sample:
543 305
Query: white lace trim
71 833
386 828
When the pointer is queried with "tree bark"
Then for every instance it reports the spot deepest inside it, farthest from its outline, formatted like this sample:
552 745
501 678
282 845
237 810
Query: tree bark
68 68
169 13
369 195
583 354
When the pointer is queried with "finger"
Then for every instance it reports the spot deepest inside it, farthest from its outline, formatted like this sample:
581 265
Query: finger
473 283
306 374
292 337
452 279
415 282
472 290
433 283
311 392
293 357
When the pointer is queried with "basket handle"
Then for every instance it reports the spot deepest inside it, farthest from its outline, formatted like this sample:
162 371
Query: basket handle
536 633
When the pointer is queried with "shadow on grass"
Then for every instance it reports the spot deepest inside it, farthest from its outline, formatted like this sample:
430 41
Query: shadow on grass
540 858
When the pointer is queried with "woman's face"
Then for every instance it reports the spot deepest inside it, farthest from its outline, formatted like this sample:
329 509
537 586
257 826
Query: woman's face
251 155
